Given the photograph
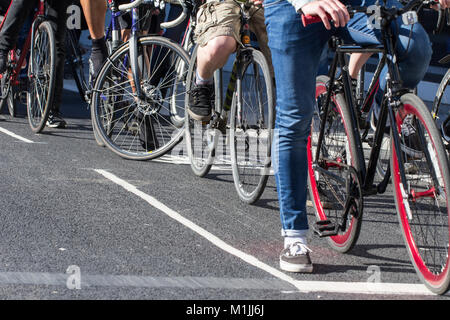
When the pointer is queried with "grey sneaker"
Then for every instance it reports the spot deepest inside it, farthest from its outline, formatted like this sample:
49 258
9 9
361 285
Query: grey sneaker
295 258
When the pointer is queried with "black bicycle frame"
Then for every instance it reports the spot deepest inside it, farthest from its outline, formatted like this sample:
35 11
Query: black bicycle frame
393 88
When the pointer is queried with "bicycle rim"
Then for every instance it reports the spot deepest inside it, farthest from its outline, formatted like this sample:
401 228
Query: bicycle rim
422 203
251 129
5 90
139 129
41 75
201 137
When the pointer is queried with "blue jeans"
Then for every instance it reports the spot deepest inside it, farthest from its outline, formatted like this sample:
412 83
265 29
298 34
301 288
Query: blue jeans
296 52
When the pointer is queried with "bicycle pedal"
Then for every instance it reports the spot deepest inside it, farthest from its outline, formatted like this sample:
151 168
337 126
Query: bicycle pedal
325 228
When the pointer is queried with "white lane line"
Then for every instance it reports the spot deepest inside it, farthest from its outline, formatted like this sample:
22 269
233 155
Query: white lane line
301 286
86 280
12 134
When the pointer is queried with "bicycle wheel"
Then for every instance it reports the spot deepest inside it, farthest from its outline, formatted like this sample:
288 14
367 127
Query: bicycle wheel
41 76
441 103
138 128
384 157
78 66
201 137
332 177
181 69
422 201
251 124
7 90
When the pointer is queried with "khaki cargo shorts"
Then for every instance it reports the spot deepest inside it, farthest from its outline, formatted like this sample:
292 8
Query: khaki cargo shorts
216 19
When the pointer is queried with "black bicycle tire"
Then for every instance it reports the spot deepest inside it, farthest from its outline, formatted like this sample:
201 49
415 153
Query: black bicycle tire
254 195
351 239
95 96
82 89
4 101
45 25
199 171
76 62
11 103
178 120
442 160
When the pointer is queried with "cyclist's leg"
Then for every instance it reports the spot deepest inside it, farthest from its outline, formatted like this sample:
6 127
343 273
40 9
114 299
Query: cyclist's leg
59 27
294 49
413 46
258 27
357 60
18 12
13 22
217 34
95 12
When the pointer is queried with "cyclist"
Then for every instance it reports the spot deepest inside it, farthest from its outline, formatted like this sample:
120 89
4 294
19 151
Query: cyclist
294 48
95 12
217 33
18 12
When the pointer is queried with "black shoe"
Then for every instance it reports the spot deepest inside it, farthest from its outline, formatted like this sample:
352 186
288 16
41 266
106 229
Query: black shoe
201 101
410 139
3 61
56 121
147 135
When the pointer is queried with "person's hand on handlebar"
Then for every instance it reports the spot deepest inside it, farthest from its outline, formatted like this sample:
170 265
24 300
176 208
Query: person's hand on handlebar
329 8
443 4
257 2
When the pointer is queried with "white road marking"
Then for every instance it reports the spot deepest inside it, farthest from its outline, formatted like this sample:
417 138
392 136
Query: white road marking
86 280
12 134
301 286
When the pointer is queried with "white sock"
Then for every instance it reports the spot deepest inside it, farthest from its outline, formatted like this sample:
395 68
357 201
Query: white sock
290 240
200 81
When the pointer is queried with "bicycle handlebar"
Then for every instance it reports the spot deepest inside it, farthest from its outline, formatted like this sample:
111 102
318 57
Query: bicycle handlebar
164 25
181 17
131 5
393 12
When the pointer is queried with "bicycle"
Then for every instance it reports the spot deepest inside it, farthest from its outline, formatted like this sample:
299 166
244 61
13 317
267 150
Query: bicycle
40 44
131 96
339 178
249 104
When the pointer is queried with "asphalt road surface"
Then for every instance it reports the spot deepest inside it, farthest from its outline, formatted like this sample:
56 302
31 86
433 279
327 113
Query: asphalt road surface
79 222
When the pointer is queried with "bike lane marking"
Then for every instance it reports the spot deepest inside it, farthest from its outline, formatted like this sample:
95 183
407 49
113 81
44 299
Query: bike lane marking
300 285
16 136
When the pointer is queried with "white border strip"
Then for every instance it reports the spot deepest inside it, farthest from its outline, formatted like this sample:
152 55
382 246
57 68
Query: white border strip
301 286
12 134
